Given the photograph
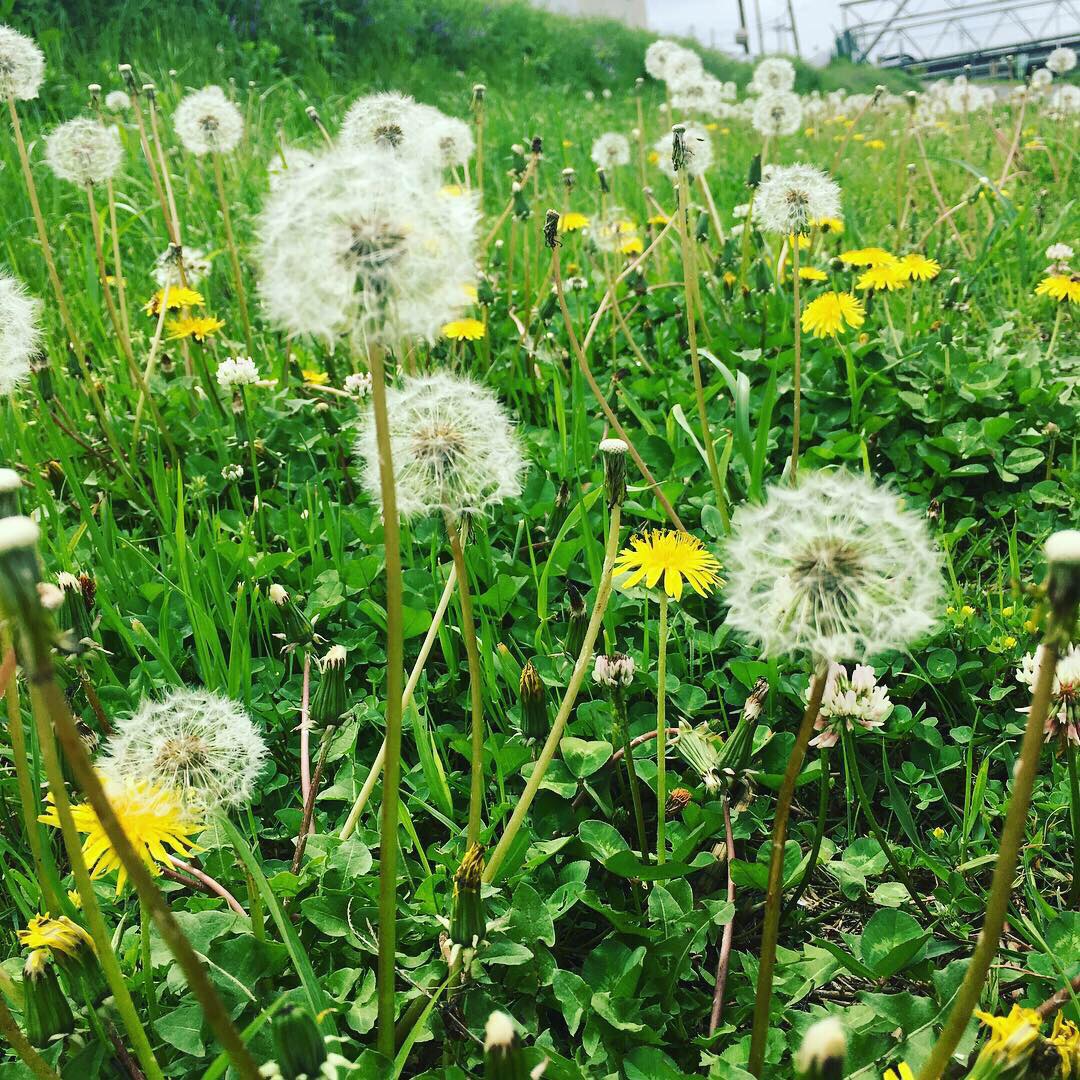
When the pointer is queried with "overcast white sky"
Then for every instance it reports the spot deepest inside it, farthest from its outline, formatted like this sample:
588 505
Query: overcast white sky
715 21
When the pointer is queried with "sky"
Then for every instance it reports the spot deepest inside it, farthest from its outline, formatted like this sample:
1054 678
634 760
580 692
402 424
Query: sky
714 22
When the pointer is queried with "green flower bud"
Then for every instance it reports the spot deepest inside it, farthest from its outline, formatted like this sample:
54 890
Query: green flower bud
46 1012
614 451
522 211
73 618
534 712
295 625
299 1047
503 1056
467 923
578 621
753 177
328 704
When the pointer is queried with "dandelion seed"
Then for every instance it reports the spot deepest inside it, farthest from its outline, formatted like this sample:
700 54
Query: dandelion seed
22 65
794 195
20 332
200 745
835 568
611 150
84 152
827 315
452 444
207 122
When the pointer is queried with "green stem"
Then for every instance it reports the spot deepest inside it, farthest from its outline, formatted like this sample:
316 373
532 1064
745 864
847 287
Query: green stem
661 732
1012 836
631 773
1074 808
388 847
771 929
819 832
796 410
146 963
234 255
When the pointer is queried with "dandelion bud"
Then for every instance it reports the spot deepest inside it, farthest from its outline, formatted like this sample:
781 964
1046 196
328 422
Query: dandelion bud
46 1012
1063 582
614 451
701 230
94 90
577 622
328 704
19 575
72 616
128 76
295 625
521 210
149 91
531 695
503 1057
536 147
73 950
299 1048
479 91
601 179
551 229
569 178
678 147
753 177
821 1055
9 492
467 923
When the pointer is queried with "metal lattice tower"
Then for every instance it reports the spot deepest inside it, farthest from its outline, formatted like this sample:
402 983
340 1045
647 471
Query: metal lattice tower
941 37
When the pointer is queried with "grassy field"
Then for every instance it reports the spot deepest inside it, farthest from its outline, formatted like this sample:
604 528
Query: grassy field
230 538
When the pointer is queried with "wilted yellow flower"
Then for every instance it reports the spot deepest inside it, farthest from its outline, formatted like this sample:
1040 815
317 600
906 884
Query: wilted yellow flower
887 277
57 935
199 327
832 312
1060 287
672 556
178 298
1011 1037
571 221
464 330
919 267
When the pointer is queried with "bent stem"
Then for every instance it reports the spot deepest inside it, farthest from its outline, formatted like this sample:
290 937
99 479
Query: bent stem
603 594
1012 836
771 929
729 929
661 732
388 818
468 632
631 772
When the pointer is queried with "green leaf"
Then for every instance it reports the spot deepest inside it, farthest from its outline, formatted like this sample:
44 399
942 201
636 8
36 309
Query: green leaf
182 1028
891 941
573 996
530 920
583 758
602 839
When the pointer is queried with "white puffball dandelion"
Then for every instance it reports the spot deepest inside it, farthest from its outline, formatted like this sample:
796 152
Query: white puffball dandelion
20 332
452 444
792 196
395 125
671 62
22 65
836 568
773 75
705 96
202 745
365 244
699 152
288 163
777 113
178 265
1061 60
610 150
452 137
207 122
117 101
84 152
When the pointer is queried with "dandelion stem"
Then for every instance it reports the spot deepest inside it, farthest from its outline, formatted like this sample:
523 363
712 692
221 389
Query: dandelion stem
103 277
305 731
1074 813
211 884
306 828
631 773
1012 836
388 846
771 928
729 929
796 411
661 732
603 593
146 964
1054 332
18 1042
819 832
148 157
234 255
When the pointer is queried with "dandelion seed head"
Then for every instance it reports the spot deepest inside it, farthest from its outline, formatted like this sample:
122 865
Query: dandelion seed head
452 444
792 196
670 62
773 75
180 266
22 65
836 568
297 160
778 112
201 745
20 333
825 1042
610 150
705 96
396 126
699 152
1061 60
499 1032
117 101
207 122
84 152
364 244
452 136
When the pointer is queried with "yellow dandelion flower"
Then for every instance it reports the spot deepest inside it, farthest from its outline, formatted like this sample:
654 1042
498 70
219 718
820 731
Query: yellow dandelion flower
829 224
199 327
808 132
871 256
152 818
567 144
654 157
452 189
849 123
178 298
804 241
672 556
887 278
57 935
832 312
464 330
632 246
729 278
75 898
712 125
315 378
1010 1036
1065 1039
858 137
571 221
1060 287
876 144
812 273
919 268
725 131
903 1071
658 219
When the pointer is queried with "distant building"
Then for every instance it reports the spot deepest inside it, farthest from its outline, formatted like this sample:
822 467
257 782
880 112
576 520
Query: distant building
630 12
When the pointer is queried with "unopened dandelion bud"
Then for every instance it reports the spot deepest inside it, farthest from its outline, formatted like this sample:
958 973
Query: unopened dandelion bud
823 1050
614 451
678 147
577 622
560 509
313 115
467 923
94 90
504 1058
701 230
1063 580
550 304
479 92
328 704
299 1048
551 229
602 180
753 177
296 626
521 209
46 1012
72 617
533 700
10 483
517 159
128 76
19 578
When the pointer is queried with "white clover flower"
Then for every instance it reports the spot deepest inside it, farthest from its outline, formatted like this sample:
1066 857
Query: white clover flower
232 472
207 122
22 65
84 152
699 152
364 244
169 264
1059 253
358 384
777 113
835 568
117 101
452 444
610 150
616 670
237 371
792 196
859 700
1061 60
203 746
773 75
396 126
1063 718
20 332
